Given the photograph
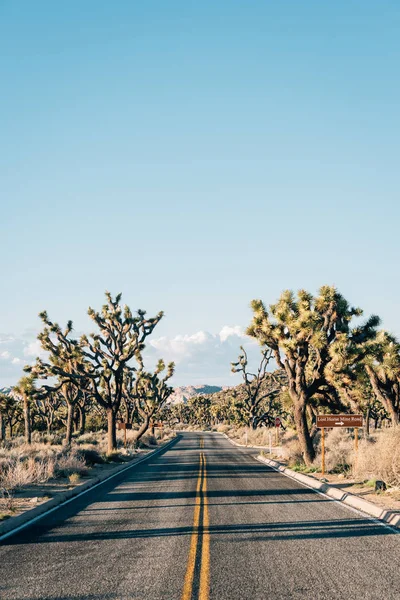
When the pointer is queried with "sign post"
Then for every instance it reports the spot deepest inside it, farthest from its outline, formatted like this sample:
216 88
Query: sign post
124 426
323 451
270 443
356 446
344 421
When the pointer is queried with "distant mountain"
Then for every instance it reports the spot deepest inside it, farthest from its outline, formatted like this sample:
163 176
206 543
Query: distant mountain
5 390
183 393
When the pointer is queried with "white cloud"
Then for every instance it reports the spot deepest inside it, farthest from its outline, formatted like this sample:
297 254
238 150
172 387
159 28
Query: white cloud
203 357
227 332
34 349
200 357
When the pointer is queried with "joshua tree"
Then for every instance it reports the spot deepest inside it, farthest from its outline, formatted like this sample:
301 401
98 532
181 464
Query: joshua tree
260 389
3 412
151 392
10 412
26 390
107 353
47 403
302 334
382 365
65 364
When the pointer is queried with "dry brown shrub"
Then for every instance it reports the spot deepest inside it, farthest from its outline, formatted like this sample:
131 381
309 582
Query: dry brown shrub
379 457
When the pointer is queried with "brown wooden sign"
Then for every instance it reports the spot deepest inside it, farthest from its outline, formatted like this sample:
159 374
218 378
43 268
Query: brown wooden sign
329 421
121 425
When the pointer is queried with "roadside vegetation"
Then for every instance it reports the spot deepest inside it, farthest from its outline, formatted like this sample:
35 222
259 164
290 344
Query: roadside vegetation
29 470
62 417
318 355
327 360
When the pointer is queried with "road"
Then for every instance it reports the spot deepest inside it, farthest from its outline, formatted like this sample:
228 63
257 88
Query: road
202 521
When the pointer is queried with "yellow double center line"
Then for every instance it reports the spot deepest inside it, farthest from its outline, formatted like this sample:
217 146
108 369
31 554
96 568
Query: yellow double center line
200 534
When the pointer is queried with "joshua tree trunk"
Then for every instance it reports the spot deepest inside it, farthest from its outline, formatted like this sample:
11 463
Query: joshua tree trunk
70 418
27 419
367 418
2 428
300 418
143 428
111 430
82 420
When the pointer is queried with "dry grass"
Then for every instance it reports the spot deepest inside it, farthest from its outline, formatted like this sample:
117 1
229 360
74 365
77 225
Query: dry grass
243 435
379 457
46 458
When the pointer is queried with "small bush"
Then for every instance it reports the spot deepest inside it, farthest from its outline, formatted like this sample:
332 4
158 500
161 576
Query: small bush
90 457
70 463
88 438
74 478
292 448
379 457
147 441
115 457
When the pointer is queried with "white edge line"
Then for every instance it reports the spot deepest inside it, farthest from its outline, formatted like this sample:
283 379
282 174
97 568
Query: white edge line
339 502
89 489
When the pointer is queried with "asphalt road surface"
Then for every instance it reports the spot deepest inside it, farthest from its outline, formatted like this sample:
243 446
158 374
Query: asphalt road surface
205 521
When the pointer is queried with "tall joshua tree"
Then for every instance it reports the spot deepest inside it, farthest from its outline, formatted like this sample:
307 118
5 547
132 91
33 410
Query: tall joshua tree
150 392
302 333
96 363
382 365
121 338
25 389
260 389
65 363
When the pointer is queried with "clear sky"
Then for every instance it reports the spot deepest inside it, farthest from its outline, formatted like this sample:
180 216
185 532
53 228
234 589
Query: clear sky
195 155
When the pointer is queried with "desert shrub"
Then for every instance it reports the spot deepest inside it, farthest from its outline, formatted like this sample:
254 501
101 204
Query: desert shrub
379 457
116 457
147 441
19 472
339 451
89 456
88 438
70 463
74 478
293 451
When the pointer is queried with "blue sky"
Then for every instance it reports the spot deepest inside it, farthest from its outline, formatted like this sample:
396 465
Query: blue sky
195 156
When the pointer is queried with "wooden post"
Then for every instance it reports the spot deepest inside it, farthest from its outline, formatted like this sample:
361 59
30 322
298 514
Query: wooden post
356 447
124 435
323 451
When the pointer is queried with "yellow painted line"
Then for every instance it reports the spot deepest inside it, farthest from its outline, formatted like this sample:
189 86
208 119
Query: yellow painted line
205 552
189 577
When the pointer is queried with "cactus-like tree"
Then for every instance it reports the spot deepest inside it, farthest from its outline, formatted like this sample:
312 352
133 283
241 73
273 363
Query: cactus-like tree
260 388
302 333
64 367
150 392
107 353
25 390
11 413
3 413
382 365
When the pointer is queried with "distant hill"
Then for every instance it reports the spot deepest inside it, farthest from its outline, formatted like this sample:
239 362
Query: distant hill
5 390
183 393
